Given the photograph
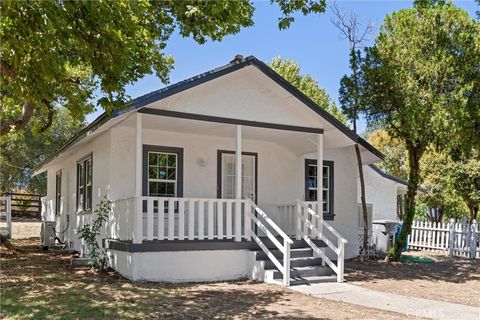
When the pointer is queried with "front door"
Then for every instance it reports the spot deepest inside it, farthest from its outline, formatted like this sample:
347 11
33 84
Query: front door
226 175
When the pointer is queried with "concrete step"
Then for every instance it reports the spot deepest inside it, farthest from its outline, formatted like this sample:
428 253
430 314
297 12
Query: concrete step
296 262
300 272
296 244
294 253
307 280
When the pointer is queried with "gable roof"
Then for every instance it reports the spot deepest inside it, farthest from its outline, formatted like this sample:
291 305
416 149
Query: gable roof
393 178
186 84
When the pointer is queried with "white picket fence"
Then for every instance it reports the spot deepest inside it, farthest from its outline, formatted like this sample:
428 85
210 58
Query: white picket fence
458 238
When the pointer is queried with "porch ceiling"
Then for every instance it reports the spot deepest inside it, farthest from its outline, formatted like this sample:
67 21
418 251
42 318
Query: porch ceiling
298 142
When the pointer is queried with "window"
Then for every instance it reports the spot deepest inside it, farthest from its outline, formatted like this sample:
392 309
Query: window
163 171
58 192
226 171
84 184
311 188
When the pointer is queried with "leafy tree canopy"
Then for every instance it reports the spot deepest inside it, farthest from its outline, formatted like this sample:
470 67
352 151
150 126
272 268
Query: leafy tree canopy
290 71
422 79
394 150
22 150
58 53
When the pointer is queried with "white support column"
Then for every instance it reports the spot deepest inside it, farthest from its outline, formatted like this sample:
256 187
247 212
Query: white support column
320 187
320 175
238 184
137 219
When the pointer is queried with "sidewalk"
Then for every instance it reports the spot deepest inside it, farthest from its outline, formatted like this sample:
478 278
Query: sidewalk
391 302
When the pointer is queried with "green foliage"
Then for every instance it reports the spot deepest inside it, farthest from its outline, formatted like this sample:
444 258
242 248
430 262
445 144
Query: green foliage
290 71
350 92
22 150
421 78
394 150
466 180
68 53
91 232
441 195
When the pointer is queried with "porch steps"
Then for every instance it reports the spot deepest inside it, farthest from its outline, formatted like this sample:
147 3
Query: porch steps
305 268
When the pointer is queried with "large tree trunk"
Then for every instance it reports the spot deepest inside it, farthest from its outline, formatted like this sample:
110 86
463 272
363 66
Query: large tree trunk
414 155
364 255
20 122
473 211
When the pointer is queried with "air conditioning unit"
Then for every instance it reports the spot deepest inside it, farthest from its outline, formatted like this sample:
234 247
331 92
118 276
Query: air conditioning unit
47 234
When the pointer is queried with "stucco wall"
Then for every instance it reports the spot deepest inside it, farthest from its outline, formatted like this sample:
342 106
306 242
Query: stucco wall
99 148
184 266
381 193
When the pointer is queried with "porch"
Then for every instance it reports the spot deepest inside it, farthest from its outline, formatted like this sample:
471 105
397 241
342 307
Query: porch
257 202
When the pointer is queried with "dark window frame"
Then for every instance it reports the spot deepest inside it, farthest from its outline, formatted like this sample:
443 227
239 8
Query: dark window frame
162 149
58 191
84 206
329 215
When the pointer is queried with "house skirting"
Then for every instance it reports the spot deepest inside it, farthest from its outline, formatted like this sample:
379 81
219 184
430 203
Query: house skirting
183 266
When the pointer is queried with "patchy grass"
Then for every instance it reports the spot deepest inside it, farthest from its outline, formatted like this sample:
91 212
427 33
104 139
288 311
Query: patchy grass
449 279
40 285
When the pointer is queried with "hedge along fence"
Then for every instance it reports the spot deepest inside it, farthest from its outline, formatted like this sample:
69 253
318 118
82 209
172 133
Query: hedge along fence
458 238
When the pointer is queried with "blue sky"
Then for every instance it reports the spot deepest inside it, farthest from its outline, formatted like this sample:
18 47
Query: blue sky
312 41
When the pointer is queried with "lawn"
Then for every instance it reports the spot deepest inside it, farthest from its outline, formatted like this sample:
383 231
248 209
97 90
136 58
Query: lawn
449 279
41 285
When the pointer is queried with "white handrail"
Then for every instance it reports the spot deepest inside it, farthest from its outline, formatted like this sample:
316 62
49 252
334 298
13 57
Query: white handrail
338 249
285 248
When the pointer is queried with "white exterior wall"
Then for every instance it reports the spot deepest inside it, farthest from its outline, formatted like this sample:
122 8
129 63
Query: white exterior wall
184 266
381 193
100 150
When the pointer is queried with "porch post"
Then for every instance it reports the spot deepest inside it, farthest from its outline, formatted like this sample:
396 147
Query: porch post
238 184
320 175
137 218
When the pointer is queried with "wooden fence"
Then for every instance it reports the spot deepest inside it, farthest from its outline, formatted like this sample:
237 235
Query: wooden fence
25 205
458 238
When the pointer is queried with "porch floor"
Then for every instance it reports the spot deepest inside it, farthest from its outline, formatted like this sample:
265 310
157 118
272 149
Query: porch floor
197 245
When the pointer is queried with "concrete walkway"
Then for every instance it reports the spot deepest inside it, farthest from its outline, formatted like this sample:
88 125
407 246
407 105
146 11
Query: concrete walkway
388 301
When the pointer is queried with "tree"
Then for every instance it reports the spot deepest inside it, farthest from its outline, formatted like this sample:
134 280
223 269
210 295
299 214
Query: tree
290 71
22 150
352 30
420 78
466 180
441 197
393 149
69 53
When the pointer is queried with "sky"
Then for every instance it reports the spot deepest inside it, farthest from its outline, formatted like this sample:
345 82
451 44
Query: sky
312 41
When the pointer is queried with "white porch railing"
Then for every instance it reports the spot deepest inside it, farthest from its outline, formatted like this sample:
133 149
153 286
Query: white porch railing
311 225
6 212
166 218
284 248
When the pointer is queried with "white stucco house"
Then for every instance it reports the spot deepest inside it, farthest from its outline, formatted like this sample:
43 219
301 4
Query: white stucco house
183 210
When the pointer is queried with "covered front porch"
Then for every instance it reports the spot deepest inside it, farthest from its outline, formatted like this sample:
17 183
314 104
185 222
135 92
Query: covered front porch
209 202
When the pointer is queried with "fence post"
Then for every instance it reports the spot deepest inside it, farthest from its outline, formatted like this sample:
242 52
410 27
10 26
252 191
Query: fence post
473 239
452 237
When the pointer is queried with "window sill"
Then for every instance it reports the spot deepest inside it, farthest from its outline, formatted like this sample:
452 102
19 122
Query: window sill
84 212
328 216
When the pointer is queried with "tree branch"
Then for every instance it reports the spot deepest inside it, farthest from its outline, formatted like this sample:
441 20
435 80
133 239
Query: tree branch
19 123
51 112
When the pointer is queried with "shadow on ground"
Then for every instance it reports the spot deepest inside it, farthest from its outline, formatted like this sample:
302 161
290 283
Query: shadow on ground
444 268
40 285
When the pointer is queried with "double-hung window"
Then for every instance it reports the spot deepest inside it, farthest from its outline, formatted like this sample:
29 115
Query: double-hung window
163 171
58 192
84 184
312 188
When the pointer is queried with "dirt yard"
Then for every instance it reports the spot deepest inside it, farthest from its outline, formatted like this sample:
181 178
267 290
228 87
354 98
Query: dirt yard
25 229
40 285
450 279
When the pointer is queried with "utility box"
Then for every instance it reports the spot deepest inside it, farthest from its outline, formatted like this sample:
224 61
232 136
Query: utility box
47 234
383 233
